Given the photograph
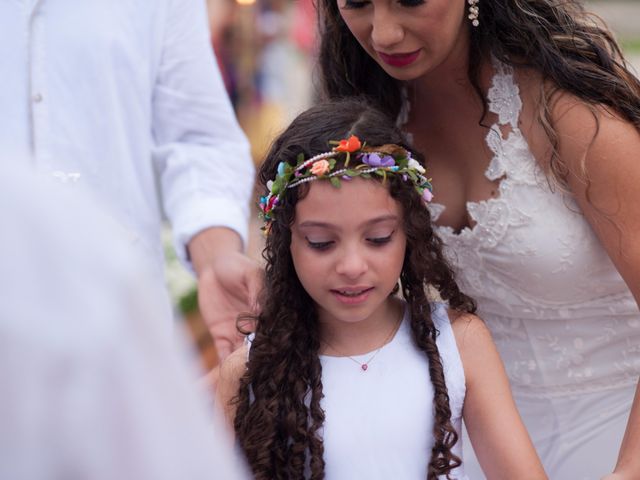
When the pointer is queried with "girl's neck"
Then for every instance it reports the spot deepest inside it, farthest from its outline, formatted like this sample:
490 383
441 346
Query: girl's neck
339 338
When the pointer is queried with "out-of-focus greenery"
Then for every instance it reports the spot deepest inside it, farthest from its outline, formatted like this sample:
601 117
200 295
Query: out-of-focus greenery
630 45
181 284
188 303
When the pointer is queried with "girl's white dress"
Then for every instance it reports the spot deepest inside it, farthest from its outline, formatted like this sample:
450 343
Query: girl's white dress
565 323
379 422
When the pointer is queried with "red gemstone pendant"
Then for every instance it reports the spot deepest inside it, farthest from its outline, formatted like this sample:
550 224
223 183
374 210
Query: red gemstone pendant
364 366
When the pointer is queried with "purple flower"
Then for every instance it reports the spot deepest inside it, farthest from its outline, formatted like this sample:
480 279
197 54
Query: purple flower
374 160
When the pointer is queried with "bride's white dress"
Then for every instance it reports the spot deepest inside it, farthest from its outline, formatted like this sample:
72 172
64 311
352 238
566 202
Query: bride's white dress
565 323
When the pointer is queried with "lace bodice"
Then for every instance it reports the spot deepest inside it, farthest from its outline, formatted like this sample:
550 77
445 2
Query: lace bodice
561 315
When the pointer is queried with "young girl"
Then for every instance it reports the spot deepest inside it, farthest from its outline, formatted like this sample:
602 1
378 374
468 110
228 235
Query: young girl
344 379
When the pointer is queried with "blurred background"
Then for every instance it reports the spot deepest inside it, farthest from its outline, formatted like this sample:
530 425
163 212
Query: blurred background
266 52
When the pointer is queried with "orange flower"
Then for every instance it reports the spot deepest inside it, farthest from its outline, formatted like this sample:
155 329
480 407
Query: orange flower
351 145
320 167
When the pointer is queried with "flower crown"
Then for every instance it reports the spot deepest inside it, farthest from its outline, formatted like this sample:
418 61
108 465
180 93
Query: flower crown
385 160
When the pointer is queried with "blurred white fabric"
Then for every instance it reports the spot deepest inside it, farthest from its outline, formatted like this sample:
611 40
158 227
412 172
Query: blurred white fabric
90 387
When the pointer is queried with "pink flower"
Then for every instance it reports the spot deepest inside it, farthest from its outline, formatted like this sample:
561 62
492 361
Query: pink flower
427 196
320 167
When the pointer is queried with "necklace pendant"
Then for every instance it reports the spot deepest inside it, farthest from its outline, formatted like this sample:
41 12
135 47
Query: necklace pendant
364 367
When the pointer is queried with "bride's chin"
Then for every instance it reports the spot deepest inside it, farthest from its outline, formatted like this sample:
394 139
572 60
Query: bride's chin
402 76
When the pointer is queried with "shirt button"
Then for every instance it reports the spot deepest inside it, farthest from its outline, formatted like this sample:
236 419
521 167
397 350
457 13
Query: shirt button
37 98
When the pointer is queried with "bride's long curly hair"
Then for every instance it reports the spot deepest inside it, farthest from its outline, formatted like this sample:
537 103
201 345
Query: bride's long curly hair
572 49
279 414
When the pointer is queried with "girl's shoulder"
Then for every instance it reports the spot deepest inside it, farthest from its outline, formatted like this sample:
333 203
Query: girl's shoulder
479 356
234 366
228 382
471 333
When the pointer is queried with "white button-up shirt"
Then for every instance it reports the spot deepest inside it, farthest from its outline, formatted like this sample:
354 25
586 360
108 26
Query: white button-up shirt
101 93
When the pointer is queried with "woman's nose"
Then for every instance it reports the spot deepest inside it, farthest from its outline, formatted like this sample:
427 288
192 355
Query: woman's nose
386 30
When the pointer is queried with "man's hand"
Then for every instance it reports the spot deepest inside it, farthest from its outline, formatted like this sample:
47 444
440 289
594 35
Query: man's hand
227 288
228 284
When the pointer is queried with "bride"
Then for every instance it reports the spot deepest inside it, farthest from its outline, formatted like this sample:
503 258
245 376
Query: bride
530 120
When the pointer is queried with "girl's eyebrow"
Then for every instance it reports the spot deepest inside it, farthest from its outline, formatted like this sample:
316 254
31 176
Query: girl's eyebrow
330 226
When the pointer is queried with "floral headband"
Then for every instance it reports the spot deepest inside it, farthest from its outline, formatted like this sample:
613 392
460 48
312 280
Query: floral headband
382 161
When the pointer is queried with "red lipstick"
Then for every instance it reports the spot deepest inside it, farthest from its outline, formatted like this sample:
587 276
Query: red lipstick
399 59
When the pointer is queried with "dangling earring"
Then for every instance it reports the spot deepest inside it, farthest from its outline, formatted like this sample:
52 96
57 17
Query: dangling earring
473 12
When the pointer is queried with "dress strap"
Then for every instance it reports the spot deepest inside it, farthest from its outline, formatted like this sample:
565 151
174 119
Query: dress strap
512 161
504 95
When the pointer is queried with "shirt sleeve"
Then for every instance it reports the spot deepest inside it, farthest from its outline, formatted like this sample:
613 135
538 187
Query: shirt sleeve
203 157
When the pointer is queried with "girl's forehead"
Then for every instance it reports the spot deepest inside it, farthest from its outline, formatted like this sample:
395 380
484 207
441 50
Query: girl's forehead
356 202
350 189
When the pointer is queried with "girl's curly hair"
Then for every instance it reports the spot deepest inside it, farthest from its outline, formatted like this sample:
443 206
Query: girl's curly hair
279 413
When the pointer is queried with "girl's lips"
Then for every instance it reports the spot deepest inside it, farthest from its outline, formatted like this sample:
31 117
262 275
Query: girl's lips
399 59
352 297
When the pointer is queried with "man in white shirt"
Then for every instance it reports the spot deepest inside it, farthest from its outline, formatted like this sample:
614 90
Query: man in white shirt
102 93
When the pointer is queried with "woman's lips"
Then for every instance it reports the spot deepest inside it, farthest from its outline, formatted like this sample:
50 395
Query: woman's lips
399 59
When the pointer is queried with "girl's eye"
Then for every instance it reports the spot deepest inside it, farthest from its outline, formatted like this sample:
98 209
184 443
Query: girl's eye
352 4
318 245
380 240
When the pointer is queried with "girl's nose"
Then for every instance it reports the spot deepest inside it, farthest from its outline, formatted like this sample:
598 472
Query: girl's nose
352 264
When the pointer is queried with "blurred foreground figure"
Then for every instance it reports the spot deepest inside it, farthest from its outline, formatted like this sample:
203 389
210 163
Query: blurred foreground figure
92 387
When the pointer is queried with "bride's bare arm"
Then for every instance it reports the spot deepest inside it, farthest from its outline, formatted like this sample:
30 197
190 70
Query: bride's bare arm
602 153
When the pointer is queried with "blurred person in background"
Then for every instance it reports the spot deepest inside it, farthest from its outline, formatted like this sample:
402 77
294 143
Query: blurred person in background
109 93
92 388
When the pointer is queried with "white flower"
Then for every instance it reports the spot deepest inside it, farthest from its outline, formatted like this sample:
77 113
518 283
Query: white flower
269 185
414 164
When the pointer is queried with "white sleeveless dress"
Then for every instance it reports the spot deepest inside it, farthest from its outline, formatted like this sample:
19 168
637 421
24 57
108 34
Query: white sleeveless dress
379 422
565 323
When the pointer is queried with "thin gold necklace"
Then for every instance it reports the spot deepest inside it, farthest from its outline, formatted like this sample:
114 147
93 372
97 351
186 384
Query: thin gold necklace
364 366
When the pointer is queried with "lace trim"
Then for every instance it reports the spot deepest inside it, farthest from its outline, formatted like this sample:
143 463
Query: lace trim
512 162
508 153
504 95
